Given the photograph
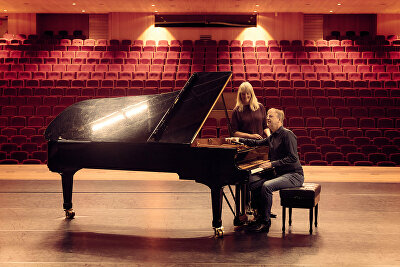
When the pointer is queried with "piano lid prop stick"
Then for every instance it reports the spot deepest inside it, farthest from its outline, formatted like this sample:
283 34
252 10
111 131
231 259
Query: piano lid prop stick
227 116
159 130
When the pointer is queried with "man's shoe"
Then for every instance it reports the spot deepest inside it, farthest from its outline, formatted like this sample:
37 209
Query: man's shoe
263 226
254 222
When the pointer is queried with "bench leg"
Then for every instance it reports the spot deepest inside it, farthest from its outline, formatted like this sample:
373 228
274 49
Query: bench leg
283 218
311 220
290 216
316 215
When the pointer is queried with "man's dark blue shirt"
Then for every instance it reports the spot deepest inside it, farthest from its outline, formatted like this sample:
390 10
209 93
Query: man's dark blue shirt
282 150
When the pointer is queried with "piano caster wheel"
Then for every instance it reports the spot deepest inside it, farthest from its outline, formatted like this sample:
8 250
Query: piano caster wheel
69 214
219 232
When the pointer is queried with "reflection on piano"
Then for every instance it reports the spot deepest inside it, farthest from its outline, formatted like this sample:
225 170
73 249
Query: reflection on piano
153 133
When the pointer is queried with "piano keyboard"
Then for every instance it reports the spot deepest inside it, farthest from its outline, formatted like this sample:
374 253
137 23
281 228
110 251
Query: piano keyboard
253 166
256 170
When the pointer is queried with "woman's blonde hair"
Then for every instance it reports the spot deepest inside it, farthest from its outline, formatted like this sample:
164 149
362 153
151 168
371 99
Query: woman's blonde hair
246 87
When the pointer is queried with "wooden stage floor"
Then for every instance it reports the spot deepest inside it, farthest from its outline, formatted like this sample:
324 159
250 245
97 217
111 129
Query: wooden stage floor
154 219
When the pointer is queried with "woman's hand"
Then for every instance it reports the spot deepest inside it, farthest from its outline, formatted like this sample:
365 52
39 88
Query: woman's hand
267 132
231 140
255 136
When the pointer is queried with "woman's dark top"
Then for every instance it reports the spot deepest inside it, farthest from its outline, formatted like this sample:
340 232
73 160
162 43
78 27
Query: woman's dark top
248 121
282 150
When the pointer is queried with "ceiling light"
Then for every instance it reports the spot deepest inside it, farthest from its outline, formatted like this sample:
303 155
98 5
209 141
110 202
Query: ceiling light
156 11
153 5
339 4
330 11
74 4
5 10
257 5
83 10
255 11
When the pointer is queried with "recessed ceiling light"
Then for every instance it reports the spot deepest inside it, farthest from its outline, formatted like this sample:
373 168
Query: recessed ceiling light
5 10
156 11
257 5
330 11
83 10
339 4
74 4
255 11
153 5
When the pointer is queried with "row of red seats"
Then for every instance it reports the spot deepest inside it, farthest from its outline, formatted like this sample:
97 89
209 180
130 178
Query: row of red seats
315 136
14 142
280 79
349 65
194 55
16 157
191 47
363 123
353 158
207 67
42 106
212 48
28 132
305 142
83 93
346 122
234 43
367 88
12 70
322 101
157 79
271 96
250 72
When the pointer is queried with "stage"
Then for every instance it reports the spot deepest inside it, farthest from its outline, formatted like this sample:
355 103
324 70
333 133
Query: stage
141 218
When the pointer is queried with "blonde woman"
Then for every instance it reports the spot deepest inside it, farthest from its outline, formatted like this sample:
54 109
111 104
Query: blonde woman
249 117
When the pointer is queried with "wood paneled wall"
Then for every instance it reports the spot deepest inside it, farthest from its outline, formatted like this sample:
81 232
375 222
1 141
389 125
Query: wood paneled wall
349 22
63 22
136 26
22 23
388 24
98 26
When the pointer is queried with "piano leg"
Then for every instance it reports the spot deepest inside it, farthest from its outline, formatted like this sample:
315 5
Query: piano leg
67 179
237 221
240 201
216 202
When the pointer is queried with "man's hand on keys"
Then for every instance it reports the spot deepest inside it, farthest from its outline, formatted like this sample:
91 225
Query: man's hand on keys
266 165
232 140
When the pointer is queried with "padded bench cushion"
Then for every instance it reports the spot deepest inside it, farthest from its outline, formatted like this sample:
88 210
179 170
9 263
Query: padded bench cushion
304 197
307 191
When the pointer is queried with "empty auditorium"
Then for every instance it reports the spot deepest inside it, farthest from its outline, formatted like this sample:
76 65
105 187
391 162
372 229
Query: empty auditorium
128 133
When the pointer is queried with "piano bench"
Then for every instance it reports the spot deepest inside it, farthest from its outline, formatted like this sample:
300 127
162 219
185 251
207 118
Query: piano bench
305 197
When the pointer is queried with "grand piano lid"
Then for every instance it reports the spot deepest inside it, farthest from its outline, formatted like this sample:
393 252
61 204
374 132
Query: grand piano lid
175 117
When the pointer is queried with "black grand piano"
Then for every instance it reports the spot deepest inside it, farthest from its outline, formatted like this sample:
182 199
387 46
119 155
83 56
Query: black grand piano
153 133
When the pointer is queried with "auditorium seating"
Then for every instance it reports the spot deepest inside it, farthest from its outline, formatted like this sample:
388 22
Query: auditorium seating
341 98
